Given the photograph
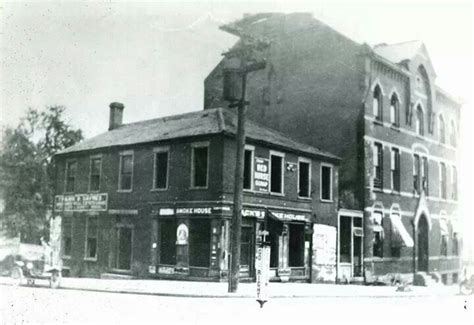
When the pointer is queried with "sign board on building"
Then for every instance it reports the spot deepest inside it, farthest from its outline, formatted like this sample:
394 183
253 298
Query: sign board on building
81 202
182 234
261 175
291 216
259 214
193 210
324 253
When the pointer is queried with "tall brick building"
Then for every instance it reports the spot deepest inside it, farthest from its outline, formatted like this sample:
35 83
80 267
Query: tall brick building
154 199
379 109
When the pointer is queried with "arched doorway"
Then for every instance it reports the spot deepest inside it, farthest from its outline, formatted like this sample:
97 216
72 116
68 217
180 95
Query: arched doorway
422 243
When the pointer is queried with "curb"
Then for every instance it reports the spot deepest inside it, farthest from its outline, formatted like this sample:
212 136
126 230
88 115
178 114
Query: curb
237 296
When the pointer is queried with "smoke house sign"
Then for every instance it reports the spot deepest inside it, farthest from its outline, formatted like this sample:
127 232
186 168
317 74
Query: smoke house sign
81 202
261 175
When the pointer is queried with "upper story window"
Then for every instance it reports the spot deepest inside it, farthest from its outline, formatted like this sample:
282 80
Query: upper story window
304 178
420 121
200 165
71 169
454 183
395 169
95 174
442 180
394 110
276 172
326 182
248 168
378 165
377 103
126 171
442 130
453 135
160 168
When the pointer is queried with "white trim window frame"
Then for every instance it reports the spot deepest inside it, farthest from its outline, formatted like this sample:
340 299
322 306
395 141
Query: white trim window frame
302 160
156 151
443 191
331 183
95 236
194 146
67 176
91 159
395 174
282 176
252 167
123 154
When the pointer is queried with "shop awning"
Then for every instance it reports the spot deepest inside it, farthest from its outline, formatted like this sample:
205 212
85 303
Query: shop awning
443 227
400 236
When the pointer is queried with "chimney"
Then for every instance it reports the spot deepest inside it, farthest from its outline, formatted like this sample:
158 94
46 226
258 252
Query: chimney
116 115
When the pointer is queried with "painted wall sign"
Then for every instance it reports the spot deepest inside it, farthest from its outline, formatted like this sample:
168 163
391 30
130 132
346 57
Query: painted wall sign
81 202
261 175
166 212
324 253
262 266
182 233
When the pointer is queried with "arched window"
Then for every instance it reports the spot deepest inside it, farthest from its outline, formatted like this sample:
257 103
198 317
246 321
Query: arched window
377 103
419 121
394 110
453 136
442 130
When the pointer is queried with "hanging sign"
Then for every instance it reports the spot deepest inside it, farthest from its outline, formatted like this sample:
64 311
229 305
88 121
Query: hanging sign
261 175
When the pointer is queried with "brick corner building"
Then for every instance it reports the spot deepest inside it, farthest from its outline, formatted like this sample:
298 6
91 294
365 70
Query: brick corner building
379 109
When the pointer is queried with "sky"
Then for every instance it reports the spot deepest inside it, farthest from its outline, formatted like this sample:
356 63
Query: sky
154 56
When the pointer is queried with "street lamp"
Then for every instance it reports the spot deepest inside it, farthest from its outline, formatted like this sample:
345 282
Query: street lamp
239 62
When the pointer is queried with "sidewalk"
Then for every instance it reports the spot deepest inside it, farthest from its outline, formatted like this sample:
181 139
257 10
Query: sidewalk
246 290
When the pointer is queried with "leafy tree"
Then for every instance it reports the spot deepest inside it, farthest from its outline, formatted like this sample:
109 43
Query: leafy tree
27 170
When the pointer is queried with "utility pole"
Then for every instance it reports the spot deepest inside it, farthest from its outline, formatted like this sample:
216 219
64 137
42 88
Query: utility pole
243 54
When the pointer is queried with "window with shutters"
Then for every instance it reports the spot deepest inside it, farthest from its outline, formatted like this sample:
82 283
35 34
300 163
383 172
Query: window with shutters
126 171
91 237
95 174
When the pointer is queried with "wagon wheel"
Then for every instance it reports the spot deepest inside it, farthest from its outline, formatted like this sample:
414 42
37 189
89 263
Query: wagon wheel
17 275
55 279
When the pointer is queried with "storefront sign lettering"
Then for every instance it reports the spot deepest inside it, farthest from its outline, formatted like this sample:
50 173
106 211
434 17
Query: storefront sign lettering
291 216
166 270
261 175
81 202
259 214
193 211
166 212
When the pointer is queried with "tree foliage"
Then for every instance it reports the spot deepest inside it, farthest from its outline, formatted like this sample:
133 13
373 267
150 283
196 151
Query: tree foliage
27 170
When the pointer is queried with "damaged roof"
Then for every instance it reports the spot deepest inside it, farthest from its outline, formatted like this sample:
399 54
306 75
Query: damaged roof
206 122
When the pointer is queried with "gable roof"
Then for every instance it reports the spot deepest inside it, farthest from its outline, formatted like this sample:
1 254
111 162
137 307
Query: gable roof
206 122
399 52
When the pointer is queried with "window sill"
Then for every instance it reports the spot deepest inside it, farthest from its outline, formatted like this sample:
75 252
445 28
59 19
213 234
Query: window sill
90 259
326 201
395 192
378 122
304 198
159 189
277 194
395 127
377 189
124 191
199 188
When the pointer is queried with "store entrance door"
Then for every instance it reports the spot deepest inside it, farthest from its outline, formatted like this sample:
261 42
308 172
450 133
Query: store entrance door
350 255
246 251
123 254
422 239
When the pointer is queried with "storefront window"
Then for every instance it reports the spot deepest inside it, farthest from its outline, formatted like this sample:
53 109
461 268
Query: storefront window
378 234
345 240
91 242
246 246
168 241
296 243
199 242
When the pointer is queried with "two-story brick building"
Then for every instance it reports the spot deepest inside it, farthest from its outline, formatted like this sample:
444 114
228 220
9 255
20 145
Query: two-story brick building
379 109
154 198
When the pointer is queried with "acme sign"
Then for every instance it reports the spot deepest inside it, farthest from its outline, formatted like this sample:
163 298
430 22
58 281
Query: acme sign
81 202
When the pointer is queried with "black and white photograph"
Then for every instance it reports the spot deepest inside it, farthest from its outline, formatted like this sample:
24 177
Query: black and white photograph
236 162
